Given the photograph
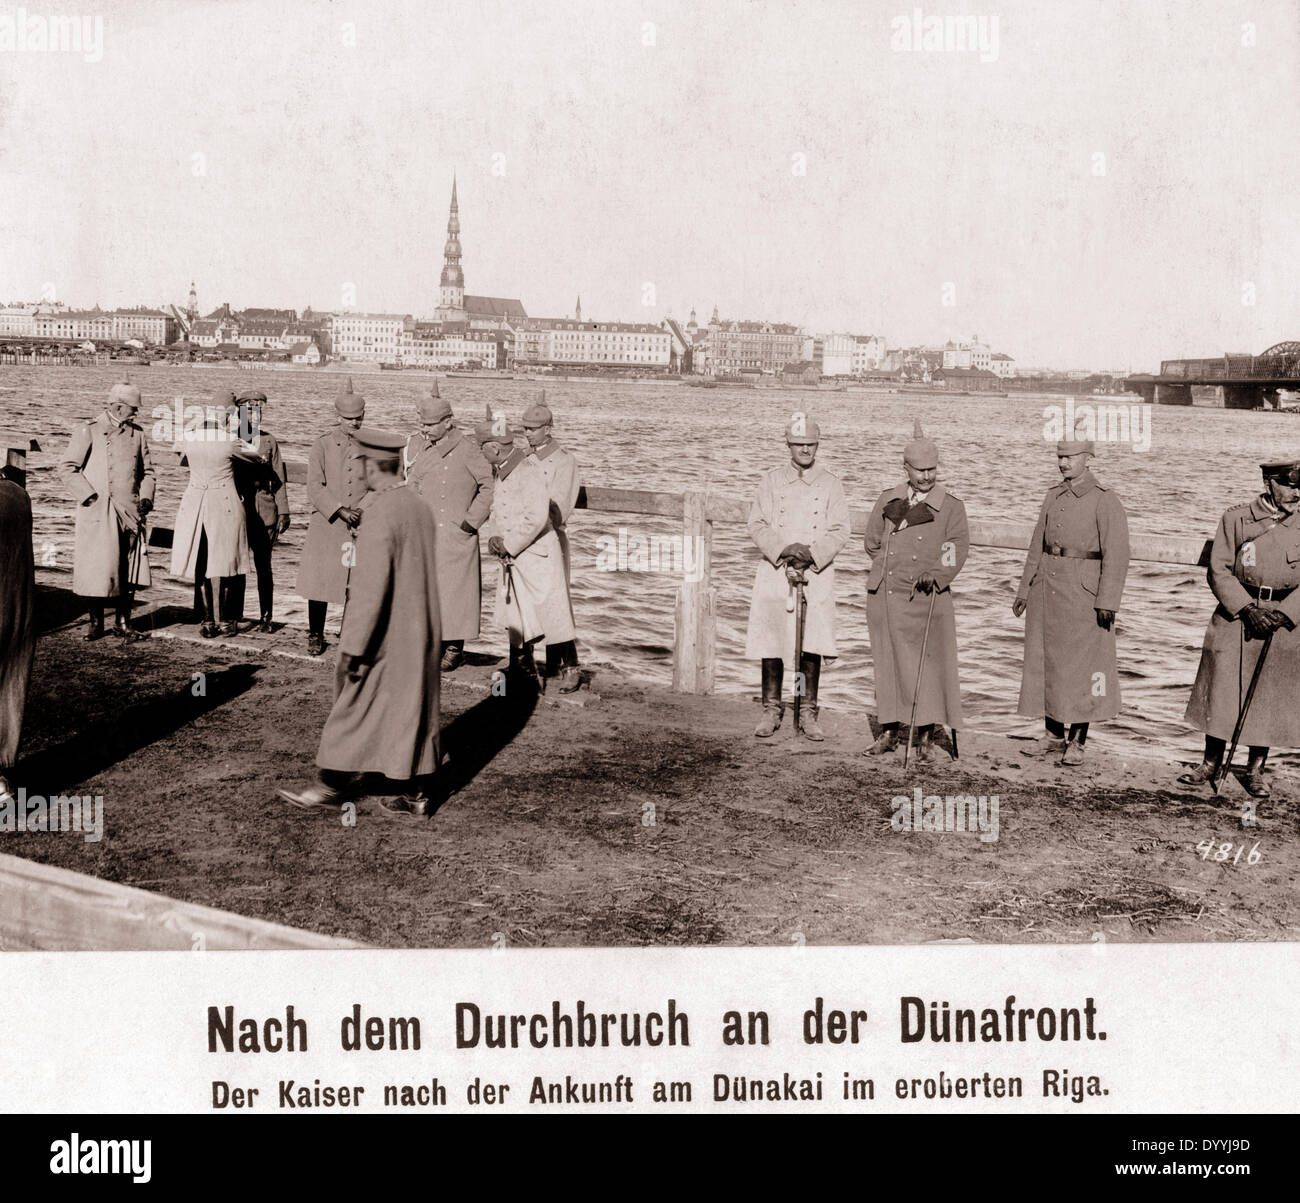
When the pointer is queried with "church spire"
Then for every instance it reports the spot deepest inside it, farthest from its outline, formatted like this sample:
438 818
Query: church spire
453 278
577 311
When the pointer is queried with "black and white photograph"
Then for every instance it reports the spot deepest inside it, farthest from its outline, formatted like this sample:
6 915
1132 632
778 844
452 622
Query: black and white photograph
655 476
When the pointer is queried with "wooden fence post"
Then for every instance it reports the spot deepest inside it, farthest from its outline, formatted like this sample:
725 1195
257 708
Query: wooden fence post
695 647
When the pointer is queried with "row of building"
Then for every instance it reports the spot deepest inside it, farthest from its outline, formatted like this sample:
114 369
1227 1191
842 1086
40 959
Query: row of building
470 331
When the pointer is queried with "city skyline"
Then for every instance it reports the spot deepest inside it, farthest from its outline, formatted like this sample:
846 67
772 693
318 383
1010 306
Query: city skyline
782 164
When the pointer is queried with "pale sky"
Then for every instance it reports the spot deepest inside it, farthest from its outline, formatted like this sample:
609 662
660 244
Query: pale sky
277 152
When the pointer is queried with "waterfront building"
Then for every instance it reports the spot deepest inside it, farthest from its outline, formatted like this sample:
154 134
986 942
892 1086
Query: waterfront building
1002 366
368 336
566 342
737 346
98 325
18 320
446 345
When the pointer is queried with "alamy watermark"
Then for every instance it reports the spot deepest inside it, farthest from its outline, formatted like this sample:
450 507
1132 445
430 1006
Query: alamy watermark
181 423
1099 422
36 33
61 812
954 813
950 33
628 552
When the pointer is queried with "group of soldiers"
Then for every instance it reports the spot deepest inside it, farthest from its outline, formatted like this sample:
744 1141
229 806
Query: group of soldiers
1069 594
396 531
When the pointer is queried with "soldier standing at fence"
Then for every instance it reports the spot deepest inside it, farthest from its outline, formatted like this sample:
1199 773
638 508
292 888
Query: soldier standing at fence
1255 575
918 540
17 625
449 472
264 491
108 472
335 485
532 599
560 467
1072 585
385 717
799 520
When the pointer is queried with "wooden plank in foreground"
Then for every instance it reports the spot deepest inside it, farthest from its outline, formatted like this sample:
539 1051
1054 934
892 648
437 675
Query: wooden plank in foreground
44 908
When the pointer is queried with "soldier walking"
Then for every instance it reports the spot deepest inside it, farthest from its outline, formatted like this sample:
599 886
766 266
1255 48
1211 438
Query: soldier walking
108 472
532 598
918 540
264 491
799 520
560 468
448 471
1072 585
385 717
1255 576
336 483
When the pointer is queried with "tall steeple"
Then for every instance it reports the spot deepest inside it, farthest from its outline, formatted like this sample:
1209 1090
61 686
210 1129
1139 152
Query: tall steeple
453 278
192 310
577 311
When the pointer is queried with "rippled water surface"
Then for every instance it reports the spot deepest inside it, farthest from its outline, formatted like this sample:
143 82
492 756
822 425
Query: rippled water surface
671 437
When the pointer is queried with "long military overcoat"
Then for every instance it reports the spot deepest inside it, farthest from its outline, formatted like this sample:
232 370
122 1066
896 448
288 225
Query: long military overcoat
1070 673
17 609
536 604
211 507
931 537
455 482
388 721
336 480
791 507
1254 546
111 464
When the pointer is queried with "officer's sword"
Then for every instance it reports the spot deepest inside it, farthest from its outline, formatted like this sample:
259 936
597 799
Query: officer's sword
920 668
1222 771
797 581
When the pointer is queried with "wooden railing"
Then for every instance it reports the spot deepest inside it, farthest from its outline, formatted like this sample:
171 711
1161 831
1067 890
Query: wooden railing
695 645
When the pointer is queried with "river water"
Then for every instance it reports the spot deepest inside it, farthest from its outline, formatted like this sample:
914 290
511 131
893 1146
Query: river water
670 437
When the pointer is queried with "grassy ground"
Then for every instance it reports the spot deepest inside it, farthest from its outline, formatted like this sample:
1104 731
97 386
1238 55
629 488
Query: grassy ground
622 816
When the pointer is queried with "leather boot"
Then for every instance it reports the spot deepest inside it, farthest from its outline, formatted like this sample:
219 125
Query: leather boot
570 677
810 665
772 708
96 628
886 741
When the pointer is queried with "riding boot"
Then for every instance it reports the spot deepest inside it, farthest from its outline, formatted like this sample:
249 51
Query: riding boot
772 708
810 668
96 628
226 592
122 628
208 628
1253 779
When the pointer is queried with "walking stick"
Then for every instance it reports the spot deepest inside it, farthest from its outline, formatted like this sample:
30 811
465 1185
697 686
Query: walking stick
1222 770
797 581
920 668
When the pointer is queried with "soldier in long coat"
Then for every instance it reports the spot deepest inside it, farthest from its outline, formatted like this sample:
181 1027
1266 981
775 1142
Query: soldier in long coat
210 544
448 471
1255 576
107 470
336 484
263 489
918 540
560 467
17 628
532 597
385 717
799 520
1072 585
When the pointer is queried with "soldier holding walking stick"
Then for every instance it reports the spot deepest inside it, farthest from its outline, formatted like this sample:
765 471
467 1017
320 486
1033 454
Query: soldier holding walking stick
1251 639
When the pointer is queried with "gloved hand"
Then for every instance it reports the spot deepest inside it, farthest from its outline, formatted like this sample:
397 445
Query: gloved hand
469 530
146 504
797 555
1105 618
925 582
355 668
282 524
350 517
1258 621
1019 606
497 546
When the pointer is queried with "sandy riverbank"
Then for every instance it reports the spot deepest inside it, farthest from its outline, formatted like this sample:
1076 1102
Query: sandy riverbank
626 815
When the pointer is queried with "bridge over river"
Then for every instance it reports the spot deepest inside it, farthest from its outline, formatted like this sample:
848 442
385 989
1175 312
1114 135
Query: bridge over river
1229 382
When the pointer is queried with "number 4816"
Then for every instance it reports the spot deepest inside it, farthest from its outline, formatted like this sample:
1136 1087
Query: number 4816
1227 850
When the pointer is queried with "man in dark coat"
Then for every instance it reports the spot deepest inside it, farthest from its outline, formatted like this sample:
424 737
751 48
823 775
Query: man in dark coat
264 491
447 470
336 484
17 630
385 718
108 472
918 540
1072 584
1255 576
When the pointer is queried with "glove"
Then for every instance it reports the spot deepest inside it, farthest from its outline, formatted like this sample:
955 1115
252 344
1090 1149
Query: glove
1019 606
350 517
469 530
145 506
282 524
356 668
497 546
1257 621
1105 618
925 583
